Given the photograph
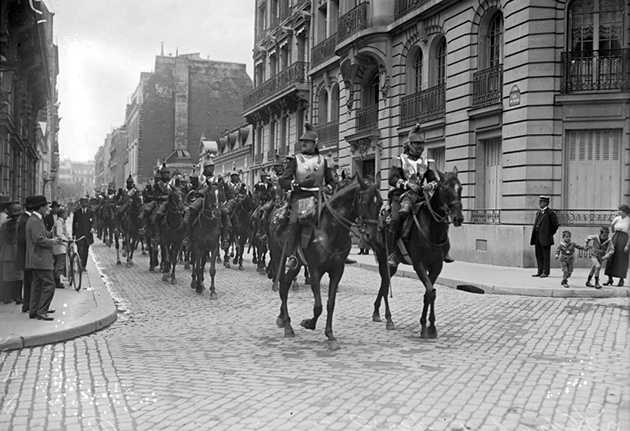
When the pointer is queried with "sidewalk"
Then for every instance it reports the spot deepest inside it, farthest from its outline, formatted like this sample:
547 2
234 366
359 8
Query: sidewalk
502 280
92 308
77 313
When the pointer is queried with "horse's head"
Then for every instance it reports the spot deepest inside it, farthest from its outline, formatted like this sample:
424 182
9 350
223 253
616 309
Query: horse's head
449 193
176 200
368 206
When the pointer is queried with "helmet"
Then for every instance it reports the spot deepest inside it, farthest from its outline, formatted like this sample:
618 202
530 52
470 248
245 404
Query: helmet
129 180
208 161
310 134
414 135
165 170
278 161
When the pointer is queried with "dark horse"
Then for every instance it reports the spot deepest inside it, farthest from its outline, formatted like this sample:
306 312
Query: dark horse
172 233
426 247
108 223
205 241
240 226
357 205
129 226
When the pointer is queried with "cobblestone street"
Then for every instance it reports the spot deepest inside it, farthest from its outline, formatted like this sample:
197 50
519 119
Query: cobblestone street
180 361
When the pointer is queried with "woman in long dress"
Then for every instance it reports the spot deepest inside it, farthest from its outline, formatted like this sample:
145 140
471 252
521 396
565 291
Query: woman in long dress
618 263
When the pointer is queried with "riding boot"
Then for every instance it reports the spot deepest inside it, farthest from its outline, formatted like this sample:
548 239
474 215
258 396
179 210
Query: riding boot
188 233
226 227
157 225
291 232
392 259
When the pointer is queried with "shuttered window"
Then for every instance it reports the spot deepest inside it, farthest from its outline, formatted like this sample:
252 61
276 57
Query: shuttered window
493 173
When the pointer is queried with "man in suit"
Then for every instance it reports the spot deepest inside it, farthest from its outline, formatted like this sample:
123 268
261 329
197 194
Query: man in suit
21 254
39 259
51 217
545 226
82 225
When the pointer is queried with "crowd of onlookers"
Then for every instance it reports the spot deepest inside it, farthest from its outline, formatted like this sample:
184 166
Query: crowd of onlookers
33 240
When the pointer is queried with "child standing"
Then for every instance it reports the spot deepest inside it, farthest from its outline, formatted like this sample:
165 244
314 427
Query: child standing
566 252
602 249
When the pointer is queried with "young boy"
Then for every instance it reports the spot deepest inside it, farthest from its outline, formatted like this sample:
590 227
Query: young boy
566 251
602 249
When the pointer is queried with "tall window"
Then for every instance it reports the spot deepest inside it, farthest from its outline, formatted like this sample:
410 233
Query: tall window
417 72
272 135
323 107
273 65
596 25
440 63
334 103
493 173
373 90
495 40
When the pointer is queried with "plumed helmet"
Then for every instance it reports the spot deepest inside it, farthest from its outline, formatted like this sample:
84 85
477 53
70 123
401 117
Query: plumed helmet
129 180
278 160
310 134
208 161
165 169
414 135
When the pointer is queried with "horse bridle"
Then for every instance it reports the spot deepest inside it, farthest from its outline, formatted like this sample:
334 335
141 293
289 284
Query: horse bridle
444 207
349 224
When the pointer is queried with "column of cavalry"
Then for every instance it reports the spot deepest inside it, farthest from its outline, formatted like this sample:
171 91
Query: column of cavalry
301 216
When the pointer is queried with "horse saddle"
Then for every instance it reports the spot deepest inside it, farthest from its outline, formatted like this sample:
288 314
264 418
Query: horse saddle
409 222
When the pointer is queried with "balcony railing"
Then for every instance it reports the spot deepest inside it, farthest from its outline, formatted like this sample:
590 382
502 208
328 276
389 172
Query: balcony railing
328 132
367 118
403 7
485 216
297 73
352 22
596 70
585 217
323 50
488 86
423 106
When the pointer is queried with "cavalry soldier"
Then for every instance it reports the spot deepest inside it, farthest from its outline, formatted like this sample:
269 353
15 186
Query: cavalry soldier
209 183
124 196
161 194
409 181
305 175
274 196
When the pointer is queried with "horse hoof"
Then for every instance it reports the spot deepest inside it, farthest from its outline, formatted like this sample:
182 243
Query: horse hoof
390 326
333 345
376 317
254 261
423 333
296 285
193 284
186 266
213 295
199 290
308 324
128 265
280 322
124 254
227 264
173 280
432 332
152 269
240 267
219 259
288 332
234 261
164 277
118 263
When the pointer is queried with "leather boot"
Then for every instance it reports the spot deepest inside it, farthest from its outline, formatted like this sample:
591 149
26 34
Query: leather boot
392 259
588 282
226 227
597 285
188 233
291 233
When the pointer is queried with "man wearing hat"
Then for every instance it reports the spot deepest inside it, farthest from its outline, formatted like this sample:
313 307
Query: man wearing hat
236 184
21 253
51 217
161 193
82 225
545 226
305 175
39 259
210 183
408 182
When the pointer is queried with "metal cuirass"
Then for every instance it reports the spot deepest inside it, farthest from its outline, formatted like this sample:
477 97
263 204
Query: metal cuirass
311 166
414 169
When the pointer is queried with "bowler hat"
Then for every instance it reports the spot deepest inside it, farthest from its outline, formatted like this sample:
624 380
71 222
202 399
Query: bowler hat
38 201
625 208
15 209
54 204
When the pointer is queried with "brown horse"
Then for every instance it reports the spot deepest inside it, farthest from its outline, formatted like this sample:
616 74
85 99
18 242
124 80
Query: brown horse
426 247
129 226
357 205
205 243
172 233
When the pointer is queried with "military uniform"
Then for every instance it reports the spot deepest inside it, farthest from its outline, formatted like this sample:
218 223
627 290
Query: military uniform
305 175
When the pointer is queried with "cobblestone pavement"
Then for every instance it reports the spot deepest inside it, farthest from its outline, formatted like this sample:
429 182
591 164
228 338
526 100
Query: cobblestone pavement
180 361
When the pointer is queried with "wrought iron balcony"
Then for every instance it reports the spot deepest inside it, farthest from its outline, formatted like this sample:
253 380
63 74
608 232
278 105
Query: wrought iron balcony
367 118
485 216
488 86
585 217
352 22
323 50
297 73
596 70
328 132
403 7
423 106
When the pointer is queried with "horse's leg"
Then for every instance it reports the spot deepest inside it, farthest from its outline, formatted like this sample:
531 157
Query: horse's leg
317 307
166 268
284 320
213 272
201 267
335 278
434 272
174 252
117 238
386 273
429 295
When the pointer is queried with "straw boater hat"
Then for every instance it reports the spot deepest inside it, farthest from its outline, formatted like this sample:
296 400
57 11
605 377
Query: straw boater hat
544 198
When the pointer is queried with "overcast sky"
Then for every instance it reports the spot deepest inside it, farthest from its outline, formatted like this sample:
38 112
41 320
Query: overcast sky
104 45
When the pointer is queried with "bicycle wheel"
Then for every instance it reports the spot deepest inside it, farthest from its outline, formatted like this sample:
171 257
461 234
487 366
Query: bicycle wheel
77 272
69 269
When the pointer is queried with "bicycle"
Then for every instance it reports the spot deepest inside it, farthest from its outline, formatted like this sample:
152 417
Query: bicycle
73 264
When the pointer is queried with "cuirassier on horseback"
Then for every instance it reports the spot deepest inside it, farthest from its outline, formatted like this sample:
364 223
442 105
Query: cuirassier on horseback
161 192
209 183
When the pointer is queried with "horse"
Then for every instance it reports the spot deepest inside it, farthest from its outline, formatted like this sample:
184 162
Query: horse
427 245
256 246
358 206
129 226
205 241
147 233
240 227
172 233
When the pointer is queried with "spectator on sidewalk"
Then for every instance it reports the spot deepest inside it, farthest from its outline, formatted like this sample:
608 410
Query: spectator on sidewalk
21 254
39 259
566 254
545 227
601 251
60 230
11 286
617 265
51 217
82 226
